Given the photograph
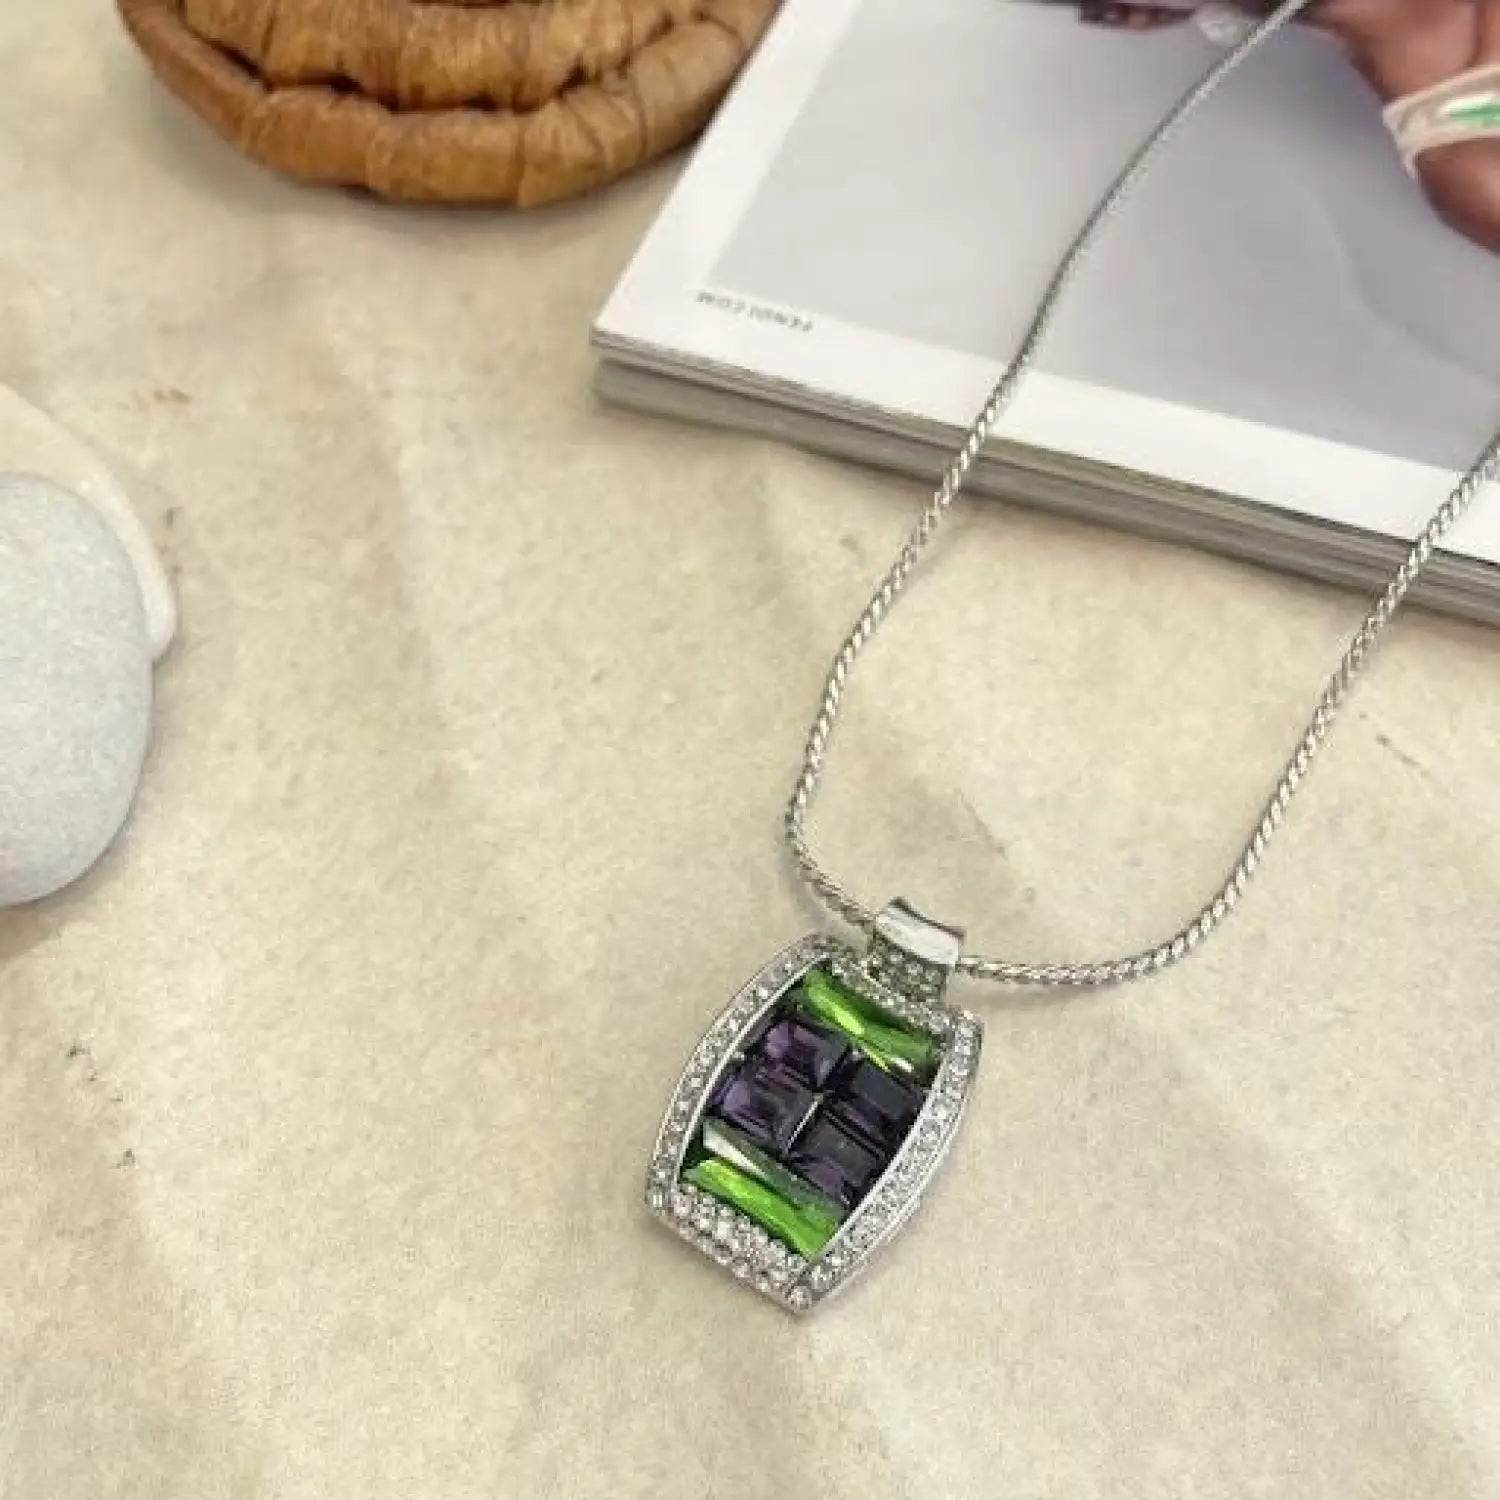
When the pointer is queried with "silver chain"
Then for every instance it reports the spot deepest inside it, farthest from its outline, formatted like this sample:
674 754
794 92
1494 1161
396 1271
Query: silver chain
1183 942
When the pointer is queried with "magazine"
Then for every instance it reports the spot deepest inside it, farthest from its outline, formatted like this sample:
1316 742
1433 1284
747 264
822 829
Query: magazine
1282 349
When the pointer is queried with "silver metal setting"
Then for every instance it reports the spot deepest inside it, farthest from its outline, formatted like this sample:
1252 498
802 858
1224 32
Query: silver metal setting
732 1240
913 953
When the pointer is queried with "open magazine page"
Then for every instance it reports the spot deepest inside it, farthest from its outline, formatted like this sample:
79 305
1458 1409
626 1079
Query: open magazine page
1282 313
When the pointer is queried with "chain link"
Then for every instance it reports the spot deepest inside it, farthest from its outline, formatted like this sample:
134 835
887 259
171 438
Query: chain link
1188 938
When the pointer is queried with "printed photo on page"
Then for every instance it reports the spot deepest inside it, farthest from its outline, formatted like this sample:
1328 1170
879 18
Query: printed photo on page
1283 265
1300 309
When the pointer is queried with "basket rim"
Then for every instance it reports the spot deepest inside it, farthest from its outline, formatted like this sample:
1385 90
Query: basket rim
458 153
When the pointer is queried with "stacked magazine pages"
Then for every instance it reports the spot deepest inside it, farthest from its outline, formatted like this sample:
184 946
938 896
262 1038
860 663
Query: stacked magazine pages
1280 350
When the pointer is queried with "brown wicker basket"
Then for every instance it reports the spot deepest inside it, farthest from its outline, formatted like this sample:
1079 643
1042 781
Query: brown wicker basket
513 101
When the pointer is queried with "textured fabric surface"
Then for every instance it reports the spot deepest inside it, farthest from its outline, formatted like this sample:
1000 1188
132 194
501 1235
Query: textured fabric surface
324 1100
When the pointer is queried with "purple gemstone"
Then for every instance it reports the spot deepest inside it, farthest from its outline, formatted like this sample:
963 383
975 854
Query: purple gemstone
875 1106
805 1052
764 1103
834 1161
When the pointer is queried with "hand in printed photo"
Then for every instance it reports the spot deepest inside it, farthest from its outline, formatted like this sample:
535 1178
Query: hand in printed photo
1403 48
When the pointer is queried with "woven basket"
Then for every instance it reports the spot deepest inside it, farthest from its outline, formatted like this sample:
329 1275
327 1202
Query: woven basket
512 101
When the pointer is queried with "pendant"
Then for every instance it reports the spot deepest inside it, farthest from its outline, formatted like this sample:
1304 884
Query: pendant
817 1108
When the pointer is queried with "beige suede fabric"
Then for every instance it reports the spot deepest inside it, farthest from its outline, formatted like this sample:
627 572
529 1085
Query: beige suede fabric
324 1101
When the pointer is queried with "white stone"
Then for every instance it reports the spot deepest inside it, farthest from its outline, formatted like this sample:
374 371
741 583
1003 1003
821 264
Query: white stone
31 442
75 660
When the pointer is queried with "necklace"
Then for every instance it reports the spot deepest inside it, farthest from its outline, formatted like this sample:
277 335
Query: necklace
815 1111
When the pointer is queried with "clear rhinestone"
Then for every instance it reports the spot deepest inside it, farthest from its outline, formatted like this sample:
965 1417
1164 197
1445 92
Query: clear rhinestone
741 1268
682 1205
796 1264
726 1230
705 1242
656 1200
820 1278
800 1298
703 1218
778 1275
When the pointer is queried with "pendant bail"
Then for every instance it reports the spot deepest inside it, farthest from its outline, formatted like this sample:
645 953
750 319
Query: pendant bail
912 953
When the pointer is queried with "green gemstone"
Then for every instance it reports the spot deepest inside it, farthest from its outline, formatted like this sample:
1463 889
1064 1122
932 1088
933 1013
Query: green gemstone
743 1176
1482 113
805 1227
886 1041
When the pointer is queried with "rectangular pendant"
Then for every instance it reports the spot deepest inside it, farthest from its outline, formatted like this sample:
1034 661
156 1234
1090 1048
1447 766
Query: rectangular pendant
812 1116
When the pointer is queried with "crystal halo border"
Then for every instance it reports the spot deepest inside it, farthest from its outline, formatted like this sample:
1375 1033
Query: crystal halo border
730 1238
